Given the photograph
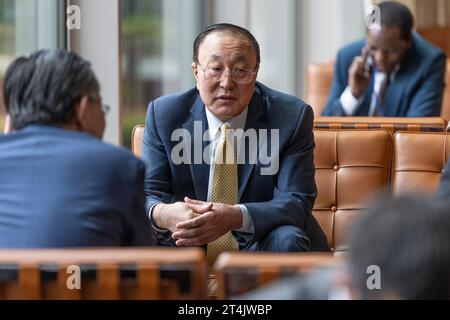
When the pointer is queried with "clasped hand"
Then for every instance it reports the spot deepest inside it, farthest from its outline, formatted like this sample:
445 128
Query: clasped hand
198 222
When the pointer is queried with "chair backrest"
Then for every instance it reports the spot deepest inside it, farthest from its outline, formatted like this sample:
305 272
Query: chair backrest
318 84
351 167
418 161
439 36
392 123
445 112
116 273
238 273
137 137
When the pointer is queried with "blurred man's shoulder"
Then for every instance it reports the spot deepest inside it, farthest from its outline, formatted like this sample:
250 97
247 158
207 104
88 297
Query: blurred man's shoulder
103 154
426 48
352 49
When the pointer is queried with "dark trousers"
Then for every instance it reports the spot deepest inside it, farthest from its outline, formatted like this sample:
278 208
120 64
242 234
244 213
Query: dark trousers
282 239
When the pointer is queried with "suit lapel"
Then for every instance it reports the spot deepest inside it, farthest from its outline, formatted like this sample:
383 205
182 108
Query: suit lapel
394 92
197 125
392 96
255 113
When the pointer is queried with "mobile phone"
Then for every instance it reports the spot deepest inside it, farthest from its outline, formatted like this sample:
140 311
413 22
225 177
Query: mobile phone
369 64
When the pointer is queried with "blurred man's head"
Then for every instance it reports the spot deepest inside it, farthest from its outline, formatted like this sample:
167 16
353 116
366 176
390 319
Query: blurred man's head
389 44
409 240
54 87
225 64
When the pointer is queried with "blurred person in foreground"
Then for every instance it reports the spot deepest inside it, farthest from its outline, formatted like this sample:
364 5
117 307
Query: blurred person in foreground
399 249
60 185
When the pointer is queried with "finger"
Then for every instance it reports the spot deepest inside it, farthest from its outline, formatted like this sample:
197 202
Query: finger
361 68
364 54
192 242
192 223
200 209
193 201
357 64
203 208
186 242
187 233
198 206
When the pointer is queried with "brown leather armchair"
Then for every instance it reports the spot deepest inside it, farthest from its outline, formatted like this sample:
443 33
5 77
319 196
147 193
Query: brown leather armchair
319 77
351 167
418 161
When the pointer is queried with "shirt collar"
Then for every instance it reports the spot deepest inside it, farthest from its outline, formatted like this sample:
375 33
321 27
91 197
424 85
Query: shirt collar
214 123
392 74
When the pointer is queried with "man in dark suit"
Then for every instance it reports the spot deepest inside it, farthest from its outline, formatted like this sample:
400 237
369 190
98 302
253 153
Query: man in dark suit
60 186
273 199
393 73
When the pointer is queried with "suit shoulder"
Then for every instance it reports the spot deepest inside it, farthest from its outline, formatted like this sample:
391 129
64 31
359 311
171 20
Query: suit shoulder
282 105
279 99
170 111
114 156
427 50
351 50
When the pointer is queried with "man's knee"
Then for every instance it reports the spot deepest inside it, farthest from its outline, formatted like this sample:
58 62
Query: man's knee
284 239
290 238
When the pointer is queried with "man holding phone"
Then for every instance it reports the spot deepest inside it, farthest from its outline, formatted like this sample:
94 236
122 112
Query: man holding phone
394 72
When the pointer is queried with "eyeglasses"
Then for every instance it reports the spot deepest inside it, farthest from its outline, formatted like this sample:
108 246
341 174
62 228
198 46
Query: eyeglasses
238 75
105 107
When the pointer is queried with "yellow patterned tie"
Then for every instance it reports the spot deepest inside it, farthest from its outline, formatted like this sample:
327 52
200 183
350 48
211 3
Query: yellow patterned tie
224 189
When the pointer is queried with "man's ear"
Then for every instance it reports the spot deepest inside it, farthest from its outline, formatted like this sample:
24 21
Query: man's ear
8 128
81 113
256 70
410 42
195 72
